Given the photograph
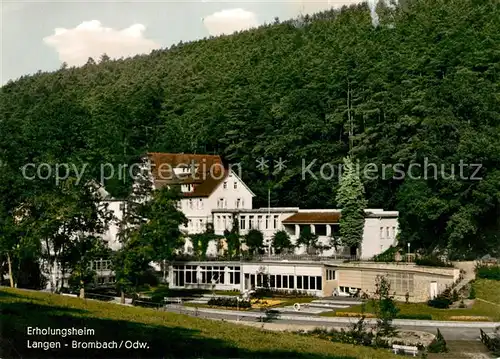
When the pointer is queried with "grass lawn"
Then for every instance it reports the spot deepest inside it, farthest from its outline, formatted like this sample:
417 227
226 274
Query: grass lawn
168 335
488 290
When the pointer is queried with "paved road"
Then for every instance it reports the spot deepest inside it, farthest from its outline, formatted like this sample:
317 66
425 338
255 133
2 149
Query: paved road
449 333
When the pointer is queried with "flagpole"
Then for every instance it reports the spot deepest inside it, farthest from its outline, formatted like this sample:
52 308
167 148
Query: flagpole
269 200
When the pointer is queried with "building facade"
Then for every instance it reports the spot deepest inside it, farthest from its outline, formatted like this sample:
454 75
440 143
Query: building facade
317 279
216 195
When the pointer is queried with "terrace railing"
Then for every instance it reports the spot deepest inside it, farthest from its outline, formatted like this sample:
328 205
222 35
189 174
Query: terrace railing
270 257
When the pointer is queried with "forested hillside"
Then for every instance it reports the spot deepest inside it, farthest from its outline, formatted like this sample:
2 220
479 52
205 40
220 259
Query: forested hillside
422 86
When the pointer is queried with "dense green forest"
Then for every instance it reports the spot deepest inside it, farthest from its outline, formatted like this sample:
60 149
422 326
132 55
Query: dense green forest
424 85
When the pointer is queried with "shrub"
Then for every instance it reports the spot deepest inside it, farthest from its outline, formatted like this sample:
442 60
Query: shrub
472 293
438 345
462 304
269 292
415 316
439 302
488 272
455 295
387 256
432 261
229 302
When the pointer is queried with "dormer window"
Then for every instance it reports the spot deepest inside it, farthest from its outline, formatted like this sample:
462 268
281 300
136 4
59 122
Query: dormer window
235 185
225 185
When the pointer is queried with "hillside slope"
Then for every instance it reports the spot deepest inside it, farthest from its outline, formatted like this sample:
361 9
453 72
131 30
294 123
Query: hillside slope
423 87
166 335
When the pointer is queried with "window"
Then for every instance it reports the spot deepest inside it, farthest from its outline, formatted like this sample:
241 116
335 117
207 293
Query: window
190 224
278 281
235 185
393 232
225 185
381 232
220 203
217 221
299 282
319 283
312 283
190 204
200 203
330 274
259 222
242 222
225 203
252 280
267 222
291 284
272 281
285 281
238 202
242 203
201 224
275 222
306 281
387 232
250 222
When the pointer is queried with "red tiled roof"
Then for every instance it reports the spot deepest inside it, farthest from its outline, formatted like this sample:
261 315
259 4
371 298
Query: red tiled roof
205 173
313 217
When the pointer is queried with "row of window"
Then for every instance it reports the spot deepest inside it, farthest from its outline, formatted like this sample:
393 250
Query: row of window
191 204
205 275
235 185
330 274
290 282
238 203
196 225
387 232
259 222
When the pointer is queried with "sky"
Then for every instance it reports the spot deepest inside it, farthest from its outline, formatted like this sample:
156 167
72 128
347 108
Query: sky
41 35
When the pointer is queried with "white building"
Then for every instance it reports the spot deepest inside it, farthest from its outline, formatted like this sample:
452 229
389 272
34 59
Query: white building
216 195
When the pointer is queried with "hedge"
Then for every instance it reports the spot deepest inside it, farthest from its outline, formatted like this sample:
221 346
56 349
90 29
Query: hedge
229 302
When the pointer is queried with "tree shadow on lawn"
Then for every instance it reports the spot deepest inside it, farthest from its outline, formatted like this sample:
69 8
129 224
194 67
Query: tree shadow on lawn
162 341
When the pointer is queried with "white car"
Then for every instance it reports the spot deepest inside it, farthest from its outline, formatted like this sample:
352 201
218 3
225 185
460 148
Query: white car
337 293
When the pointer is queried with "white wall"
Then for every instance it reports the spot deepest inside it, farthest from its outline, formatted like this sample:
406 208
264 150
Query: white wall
111 235
379 234
230 194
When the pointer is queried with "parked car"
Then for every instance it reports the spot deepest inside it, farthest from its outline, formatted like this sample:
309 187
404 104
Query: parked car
337 293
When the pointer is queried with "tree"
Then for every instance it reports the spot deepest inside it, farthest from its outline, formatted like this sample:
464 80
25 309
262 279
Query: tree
150 230
254 241
131 263
308 239
164 219
233 239
79 258
64 220
201 241
350 198
384 306
281 242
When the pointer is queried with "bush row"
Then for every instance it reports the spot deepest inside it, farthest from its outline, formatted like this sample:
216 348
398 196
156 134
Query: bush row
488 272
269 292
229 302
432 261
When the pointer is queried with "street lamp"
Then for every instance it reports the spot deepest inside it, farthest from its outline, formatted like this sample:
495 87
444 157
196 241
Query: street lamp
238 308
